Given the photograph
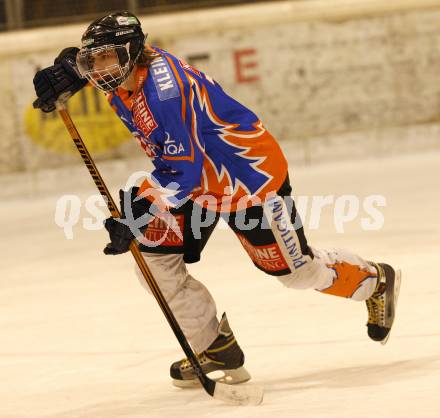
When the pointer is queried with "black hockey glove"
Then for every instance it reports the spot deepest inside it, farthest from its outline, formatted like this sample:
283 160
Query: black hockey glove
120 233
120 237
62 77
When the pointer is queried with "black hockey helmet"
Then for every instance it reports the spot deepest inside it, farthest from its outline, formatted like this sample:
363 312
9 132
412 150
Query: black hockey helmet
118 36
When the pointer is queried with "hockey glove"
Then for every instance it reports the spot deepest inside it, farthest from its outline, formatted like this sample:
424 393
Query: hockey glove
62 77
120 237
120 234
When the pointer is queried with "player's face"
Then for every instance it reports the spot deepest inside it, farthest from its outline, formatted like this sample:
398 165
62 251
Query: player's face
105 60
103 67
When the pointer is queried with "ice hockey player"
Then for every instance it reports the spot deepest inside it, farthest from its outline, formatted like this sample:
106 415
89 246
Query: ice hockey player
213 157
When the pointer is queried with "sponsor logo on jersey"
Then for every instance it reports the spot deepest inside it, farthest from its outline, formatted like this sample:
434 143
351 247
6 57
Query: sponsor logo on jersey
268 257
158 227
142 115
164 80
171 147
188 67
283 229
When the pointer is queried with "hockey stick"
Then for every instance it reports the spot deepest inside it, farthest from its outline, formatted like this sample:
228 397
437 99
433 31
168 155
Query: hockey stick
234 395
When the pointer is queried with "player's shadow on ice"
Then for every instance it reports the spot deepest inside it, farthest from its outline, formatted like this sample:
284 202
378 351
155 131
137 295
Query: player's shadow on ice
356 376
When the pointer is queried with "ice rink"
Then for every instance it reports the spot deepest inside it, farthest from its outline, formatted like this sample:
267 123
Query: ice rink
79 337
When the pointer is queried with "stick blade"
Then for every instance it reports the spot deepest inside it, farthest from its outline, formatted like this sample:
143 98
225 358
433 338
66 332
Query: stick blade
239 394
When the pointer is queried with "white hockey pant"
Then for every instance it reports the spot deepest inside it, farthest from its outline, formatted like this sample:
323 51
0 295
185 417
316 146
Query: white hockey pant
190 301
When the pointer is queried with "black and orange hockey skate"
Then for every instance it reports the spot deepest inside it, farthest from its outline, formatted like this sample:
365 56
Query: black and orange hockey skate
223 360
382 303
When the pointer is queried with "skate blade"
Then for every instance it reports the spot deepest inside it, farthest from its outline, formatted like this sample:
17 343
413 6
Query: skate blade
229 377
397 281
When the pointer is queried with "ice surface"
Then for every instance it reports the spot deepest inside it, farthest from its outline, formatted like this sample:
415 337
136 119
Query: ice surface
79 337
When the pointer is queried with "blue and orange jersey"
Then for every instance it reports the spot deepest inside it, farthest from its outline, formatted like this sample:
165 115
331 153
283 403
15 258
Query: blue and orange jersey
201 141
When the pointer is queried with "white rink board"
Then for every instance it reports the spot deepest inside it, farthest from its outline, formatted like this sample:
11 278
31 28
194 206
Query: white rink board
80 338
340 79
